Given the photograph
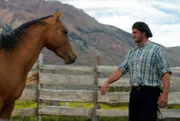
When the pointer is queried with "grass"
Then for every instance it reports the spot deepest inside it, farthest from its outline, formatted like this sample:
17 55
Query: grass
25 104
78 105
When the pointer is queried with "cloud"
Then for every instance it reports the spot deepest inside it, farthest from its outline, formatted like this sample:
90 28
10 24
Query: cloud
166 34
161 16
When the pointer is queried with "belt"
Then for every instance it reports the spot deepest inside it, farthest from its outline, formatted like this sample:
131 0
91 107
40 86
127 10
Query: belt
141 87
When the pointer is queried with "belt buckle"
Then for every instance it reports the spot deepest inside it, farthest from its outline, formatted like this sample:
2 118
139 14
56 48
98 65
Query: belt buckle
138 87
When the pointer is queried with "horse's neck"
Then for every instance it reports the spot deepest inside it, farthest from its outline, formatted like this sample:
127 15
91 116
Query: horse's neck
27 52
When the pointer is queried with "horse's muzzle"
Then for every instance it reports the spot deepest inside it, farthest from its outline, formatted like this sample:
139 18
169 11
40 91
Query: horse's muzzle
70 59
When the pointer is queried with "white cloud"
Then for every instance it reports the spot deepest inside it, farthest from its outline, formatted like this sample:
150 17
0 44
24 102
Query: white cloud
166 34
124 22
161 16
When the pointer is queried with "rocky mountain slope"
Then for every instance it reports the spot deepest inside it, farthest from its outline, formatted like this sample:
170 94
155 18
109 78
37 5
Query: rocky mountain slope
88 36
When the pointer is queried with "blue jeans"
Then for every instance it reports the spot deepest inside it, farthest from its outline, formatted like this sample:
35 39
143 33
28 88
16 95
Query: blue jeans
143 103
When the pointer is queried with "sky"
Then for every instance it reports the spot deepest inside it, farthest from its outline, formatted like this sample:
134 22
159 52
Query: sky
162 16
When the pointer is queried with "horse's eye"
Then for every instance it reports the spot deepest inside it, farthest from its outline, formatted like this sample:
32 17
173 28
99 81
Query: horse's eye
65 32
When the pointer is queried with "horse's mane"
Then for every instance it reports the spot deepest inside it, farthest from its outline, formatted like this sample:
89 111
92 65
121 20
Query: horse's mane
9 41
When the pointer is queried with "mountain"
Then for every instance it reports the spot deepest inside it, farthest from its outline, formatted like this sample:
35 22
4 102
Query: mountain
88 36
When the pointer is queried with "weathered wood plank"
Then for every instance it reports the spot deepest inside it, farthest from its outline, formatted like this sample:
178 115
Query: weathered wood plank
121 82
25 112
106 69
174 98
124 82
72 70
116 112
117 97
110 69
39 86
67 95
114 97
65 111
29 94
35 66
170 113
32 73
32 78
175 69
174 84
62 79
95 102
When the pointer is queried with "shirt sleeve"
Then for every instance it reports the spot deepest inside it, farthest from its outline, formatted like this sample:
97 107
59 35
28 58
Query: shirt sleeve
162 62
123 67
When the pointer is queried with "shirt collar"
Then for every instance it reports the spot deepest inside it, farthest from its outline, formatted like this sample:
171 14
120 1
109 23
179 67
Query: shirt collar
145 44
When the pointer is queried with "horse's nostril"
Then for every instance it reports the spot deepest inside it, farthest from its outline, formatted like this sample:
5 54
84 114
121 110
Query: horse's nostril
72 58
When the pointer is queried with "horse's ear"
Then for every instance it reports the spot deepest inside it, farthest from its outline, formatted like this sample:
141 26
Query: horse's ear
58 14
55 17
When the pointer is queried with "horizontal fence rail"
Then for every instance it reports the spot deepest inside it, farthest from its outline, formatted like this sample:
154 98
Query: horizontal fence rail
170 113
65 111
63 79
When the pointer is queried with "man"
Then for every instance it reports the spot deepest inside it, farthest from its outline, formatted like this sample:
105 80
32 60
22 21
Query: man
148 67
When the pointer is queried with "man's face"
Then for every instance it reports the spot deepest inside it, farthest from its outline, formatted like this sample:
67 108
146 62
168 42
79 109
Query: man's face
137 35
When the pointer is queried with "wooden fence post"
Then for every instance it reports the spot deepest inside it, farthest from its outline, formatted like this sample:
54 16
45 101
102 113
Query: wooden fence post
39 102
96 105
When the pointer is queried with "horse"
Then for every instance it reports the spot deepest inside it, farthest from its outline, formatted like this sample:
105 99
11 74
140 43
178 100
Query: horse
19 51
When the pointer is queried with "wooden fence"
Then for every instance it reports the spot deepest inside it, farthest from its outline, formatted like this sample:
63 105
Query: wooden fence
87 82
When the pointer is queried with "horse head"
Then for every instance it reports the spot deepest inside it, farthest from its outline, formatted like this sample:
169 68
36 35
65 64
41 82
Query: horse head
57 39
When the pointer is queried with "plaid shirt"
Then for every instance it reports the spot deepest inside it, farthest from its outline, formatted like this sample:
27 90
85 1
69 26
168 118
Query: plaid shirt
146 65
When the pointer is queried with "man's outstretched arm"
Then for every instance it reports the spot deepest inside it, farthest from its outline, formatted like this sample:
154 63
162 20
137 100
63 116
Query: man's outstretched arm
113 78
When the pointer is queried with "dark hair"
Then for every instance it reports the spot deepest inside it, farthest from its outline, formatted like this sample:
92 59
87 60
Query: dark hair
143 27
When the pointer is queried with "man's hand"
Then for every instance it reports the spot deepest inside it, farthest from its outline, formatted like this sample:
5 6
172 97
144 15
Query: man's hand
163 100
104 88
114 77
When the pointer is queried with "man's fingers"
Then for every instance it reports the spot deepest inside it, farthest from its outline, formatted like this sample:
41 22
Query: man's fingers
159 100
104 89
107 88
163 103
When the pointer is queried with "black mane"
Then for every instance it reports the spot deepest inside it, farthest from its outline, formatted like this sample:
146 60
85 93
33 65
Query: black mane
9 41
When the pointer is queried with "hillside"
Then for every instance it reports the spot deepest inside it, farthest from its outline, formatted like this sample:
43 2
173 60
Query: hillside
88 36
